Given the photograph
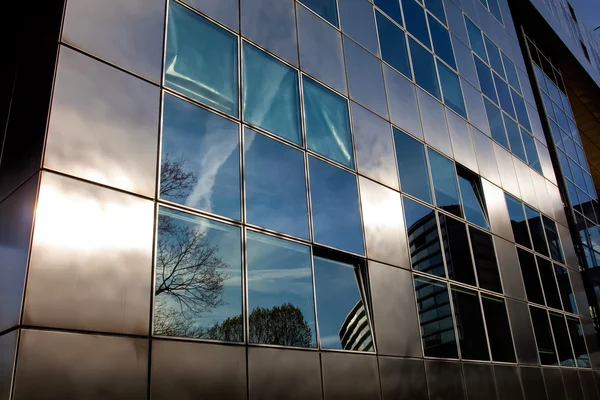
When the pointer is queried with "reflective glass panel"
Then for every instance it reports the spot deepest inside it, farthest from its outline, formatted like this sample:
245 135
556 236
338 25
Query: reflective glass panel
536 230
391 8
423 238
200 160
531 151
495 9
453 96
358 22
485 260
325 8
327 123
485 80
517 220
275 185
511 73
198 291
521 110
435 316
531 279
476 39
424 68
437 8
412 166
561 338
444 183
514 138
335 210
441 42
472 198
576 334
280 292
201 60
494 55
564 287
504 96
342 315
392 41
469 324
271 96
456 250
496 124
549 283
498 329
416 24
553 239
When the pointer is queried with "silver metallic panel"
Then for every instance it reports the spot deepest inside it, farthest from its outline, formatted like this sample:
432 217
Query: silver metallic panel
546 162
433 118
507 170
484 147
475 108
103 125
497 210
224 11
462 144
350 376
541 192
525 184
91 259
566 240
8 347
512 280
520 321
402 102
557 204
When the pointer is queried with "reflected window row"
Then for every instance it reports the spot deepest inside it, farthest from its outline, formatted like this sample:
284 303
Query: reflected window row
295 295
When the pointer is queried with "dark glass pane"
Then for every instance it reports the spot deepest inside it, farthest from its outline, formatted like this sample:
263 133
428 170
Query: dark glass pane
392 9
280 292
469 324
504 96
435 316
437 8
561 338
476 39
496 124
416 24
521 110
201 60
517 220
485 80
498 329
494 56
495 9
543 336
576 334
423 238
392 41
456 250
514 138
412 166
441 42
553 239
425 75
532 155
275 185
536 229
200 160
271 98
444 183
472 198
342 316
549 283
531 278
511 73
335 209
564 287
485 260
325 8
327 123
453 95
198 291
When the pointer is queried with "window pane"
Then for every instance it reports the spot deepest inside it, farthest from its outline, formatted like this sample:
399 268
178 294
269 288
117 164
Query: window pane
532 155
498 329
335 211
412 166
456 250
485 260
198 291
514 138
504 96
275 185
435 316
424 68
553 239
476 39
416 24
561 338
327 123
531 278
437 8
517 220
469 324
342 316
576 334
496 124
325 8
453 96
444 183
393 45
564 287
511 73
537 230
521 110
280 292
200 161
201 60
494 55
358 22
485 80
495 9
441 42
423 238
472 198
549 283
543 336
271 95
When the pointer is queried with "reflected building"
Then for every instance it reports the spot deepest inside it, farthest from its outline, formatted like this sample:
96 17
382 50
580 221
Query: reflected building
355 334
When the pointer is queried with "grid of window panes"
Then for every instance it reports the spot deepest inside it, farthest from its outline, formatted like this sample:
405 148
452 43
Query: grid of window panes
494 8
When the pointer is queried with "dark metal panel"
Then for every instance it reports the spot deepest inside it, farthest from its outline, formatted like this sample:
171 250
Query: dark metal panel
479 380
278 374
56 365
8 347
445 380
508 383
592 341
555 387
533 383
402 379
394 311
103 125
349 376
581 299
520 321
572 384
590 390
183 370
512 280
91 259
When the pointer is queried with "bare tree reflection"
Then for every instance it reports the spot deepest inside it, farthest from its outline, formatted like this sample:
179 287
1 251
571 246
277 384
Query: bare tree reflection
176 181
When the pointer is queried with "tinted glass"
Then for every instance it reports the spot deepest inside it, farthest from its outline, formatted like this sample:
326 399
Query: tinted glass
472 198
280 292
485 80
514 138
496 125
327 123
521 110
412 166
564 287
485 260
576 334
531 278
435 316
494 56
553 239
198 292
275 185
476 39
453 96
456 250
495 9
201 60
391 8
423 238
358 22
200 160
335 210
444 183
441 42
342 316
549 283
532 155
325 8
511 73
561 338
392 41
437 8
416 24
504 96
424 68
537 230
498 329
517 220
543 336
469 324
